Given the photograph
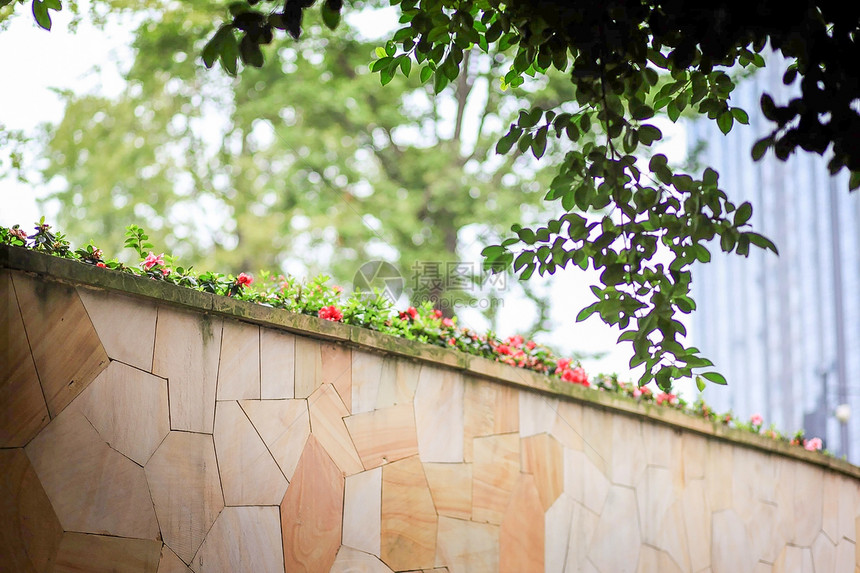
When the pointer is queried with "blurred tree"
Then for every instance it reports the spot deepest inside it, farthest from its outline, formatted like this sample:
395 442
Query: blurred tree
311 162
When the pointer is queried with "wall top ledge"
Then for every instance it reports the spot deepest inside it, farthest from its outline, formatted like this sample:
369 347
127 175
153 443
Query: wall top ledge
74 272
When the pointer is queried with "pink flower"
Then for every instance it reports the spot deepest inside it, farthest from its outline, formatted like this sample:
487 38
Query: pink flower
575 376
562 365
452 342
331 313
756 420
437 313
503 349
531 344
337 289
666 397
165 272
18 233
637 392
447 323
813 444
244 280
152 260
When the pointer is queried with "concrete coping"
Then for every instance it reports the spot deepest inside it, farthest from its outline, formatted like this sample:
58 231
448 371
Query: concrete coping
77 273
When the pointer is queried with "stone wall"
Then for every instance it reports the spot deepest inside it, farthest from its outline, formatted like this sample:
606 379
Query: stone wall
161 430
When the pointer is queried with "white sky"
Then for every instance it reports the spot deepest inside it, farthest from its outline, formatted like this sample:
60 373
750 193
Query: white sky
84 61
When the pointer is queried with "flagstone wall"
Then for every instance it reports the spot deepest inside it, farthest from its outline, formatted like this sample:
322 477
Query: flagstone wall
162 431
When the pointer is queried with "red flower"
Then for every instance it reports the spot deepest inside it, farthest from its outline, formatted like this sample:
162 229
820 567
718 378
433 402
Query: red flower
516 340
437 313
575 376
409 313
244 280
101 265
452 342
531 344
331 313
503 349
165 272
447 323
665 397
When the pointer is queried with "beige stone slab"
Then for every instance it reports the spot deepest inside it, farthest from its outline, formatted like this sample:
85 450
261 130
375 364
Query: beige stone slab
495 472
537 413
583 525
439 415
22 404
719 469
187 348
655 494
242 539
847 554
672 536
849 508
337 370
595 485
830 505
101 554
574 477
693 450
350 560
628 459
652 559
312 512
239 366
249 474
697 524
824 554
794 559
557 534
385 435
125 325
93 488
451 488
730 550
567 427
30 532
765 540
808 504
658 442
183 480
543 457
362 511
408 525
128 408
368 370
398 383
522 533
467 547
170 562
65 347
786 474
309 370
327 413
277 364
284 426
488 408
597 438
615 546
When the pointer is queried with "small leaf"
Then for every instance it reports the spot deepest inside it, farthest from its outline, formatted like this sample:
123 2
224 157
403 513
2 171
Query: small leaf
331 17
715 377
700 384
426 72
741 116
405 65
762 242
725 121
760 148
743 214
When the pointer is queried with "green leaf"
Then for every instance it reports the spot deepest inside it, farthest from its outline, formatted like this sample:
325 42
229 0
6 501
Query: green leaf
587 311
213 47
331 17
40 13
740 115
743 214
426 72
760 148
762 242
700 383
725 121
539 143
230 54
405 65
648 134
854 180
715 377
380 52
